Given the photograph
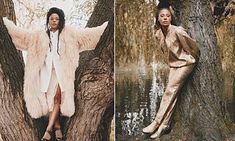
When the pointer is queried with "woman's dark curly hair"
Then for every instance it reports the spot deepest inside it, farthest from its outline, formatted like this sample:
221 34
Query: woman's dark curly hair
164 4
60 13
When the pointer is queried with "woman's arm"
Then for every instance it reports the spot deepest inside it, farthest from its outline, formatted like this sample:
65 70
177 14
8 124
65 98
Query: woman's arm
20 37
188 43
160 39
89 37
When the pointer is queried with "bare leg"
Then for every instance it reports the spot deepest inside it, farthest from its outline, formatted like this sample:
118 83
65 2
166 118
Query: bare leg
54 115
57 127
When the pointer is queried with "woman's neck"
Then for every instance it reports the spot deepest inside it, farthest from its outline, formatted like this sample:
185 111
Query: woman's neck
53 30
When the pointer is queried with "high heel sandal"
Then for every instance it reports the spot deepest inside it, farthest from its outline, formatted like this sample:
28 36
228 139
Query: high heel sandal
160 132
59 138
151 128
50 133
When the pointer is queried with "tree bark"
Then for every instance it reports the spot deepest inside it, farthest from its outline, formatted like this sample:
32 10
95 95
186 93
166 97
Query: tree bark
225 30
7 9
200 111
15 124
94 96
94 84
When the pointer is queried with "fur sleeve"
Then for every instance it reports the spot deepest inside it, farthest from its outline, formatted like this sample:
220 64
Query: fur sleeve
20 37
89 37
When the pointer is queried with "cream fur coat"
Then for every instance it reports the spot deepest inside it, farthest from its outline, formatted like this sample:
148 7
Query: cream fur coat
36 43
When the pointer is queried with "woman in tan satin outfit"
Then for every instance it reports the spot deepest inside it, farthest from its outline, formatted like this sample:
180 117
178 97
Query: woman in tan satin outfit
182 56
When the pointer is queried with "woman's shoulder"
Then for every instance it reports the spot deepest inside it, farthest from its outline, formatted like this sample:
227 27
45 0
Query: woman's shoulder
39 32
69 28
180 30
159 34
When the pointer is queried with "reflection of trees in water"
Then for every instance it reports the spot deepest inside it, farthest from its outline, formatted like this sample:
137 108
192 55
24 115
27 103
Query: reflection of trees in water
131 124
141 74
137 92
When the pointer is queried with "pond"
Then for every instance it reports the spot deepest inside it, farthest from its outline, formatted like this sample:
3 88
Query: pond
138 93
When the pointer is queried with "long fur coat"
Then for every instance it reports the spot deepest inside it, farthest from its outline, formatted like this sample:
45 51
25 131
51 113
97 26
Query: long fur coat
36 43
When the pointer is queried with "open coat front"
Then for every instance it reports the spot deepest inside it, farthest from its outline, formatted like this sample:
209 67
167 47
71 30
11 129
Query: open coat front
36 43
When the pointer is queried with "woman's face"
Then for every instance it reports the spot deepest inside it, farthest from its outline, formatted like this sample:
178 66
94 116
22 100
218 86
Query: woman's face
54 21
164 17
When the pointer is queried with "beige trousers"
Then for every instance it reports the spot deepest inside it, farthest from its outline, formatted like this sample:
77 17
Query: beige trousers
176 79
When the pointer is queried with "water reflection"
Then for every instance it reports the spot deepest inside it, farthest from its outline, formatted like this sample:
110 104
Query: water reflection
157 90
138 93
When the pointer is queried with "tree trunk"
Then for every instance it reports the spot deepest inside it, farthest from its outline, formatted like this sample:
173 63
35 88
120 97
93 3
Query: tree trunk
15 124
94 87
7 9
200 110
94 84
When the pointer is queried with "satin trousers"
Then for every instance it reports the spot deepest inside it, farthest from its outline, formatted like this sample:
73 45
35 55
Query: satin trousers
176 79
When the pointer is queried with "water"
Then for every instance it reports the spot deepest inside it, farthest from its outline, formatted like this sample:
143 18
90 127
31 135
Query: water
138 93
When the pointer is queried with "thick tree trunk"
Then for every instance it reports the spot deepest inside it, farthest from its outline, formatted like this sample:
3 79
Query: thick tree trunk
200 111
94 84
14 122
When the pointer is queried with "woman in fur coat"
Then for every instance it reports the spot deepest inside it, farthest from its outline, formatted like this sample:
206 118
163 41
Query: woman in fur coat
50 68
182 55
